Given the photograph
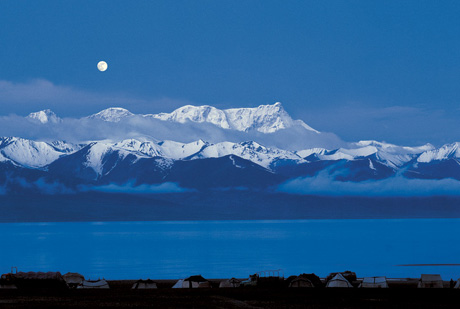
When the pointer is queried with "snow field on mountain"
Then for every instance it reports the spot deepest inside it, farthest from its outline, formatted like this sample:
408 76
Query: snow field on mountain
264 122
29 153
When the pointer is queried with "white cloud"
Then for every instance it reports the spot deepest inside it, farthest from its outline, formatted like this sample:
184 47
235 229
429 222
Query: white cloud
38 94
84 130
40 185
166 187
324 185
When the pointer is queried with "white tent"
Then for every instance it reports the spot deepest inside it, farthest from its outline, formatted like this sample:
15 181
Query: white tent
374 282
457 284
98 284
430 281
144 284
192 282
230 283
338 282
187 284
179 284
73 279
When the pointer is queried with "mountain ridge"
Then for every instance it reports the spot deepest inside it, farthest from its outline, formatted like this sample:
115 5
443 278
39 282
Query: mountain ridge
104 162
264 118
232 147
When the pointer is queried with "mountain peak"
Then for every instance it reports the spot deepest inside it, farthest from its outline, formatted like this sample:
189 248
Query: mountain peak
445 152
44 116
199 114
278 106
112 114
264 118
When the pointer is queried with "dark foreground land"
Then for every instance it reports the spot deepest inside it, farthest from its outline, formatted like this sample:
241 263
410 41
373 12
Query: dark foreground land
121 296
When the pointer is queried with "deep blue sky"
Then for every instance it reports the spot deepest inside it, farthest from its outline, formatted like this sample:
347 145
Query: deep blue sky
385 70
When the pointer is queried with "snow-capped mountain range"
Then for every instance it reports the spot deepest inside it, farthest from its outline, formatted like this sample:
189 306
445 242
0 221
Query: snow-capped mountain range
265 118
203 164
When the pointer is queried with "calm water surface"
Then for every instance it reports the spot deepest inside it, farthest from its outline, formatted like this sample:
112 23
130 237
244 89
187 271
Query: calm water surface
219 249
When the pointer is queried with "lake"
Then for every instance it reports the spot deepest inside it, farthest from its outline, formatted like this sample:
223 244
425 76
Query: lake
223 249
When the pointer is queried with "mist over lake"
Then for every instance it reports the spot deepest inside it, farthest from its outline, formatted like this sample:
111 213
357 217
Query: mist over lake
218 205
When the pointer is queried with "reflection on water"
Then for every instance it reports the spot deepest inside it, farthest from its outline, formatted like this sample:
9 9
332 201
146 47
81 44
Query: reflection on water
219 249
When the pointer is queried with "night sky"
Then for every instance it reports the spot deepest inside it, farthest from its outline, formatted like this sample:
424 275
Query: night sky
383 70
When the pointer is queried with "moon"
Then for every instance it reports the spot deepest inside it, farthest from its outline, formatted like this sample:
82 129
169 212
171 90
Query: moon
102 66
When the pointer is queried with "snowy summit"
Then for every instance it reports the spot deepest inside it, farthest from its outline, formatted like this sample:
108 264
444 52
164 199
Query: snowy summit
45 116
264 118
112 114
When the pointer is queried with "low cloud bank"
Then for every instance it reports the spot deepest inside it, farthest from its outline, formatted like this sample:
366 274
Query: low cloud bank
398 186
19 184
321 185
39 94
166 187
84 130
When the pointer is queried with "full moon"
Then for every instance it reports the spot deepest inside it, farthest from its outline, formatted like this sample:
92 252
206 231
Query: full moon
102 66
